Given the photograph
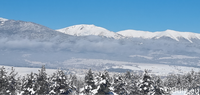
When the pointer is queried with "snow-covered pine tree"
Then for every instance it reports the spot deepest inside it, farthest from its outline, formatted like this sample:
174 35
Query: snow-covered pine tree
120 85
73 83
193 83
42 85
104 84
90 84
60 83
132 86
3 81
171 81
146 85
159 88
79 85
13 83
28 83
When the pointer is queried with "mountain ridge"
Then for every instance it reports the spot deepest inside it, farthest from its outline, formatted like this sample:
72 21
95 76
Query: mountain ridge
78 30
168 33
87 30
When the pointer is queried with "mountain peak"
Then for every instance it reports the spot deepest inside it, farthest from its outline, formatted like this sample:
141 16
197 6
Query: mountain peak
3 19
86 30
169 33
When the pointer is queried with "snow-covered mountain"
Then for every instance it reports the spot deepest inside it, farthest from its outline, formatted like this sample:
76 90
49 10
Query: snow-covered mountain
86 30
23 29
30 44
2 20
176 35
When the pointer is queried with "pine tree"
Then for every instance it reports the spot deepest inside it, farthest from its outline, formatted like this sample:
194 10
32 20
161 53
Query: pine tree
4 82
120 85
159 88
73 82
146 86
133 84
60 83
28 83
171 81
104 84
89 80
192 80
79 85
13 83
42 85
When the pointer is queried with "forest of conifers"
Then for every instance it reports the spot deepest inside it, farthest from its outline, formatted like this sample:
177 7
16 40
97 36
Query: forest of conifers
101 83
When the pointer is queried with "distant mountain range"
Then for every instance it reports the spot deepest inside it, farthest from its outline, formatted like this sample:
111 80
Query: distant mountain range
29 44
85 30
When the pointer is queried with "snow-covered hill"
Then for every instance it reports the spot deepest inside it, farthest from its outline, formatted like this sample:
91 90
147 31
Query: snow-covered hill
176 35
86 30
28 30
2 20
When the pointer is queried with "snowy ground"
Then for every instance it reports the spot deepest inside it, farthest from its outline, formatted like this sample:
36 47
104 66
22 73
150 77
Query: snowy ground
22 71
80 66
179 93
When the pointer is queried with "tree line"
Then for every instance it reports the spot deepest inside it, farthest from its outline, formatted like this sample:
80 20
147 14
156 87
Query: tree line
101 83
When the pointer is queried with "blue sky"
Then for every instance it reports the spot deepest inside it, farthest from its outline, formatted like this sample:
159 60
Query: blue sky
114 15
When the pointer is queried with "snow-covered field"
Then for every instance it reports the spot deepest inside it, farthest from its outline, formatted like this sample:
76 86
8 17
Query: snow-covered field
120 66
80 66
22 71
179 93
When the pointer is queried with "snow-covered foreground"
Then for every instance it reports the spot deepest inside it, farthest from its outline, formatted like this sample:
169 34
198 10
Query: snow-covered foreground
99 79
179 93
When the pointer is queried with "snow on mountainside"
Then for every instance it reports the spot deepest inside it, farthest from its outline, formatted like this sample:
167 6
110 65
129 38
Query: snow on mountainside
2 20
176 35
23 29
86 30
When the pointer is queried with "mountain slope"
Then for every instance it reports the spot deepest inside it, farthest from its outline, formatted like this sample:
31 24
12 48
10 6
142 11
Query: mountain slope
29 30
86 30
2 20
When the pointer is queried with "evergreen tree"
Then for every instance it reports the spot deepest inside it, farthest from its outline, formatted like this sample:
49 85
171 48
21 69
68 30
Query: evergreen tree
171 81
4 82
89 80
120 85
13 83
28 84
104 84
42 85
159 88
73 83
193 84
60 83
146 86
133 84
